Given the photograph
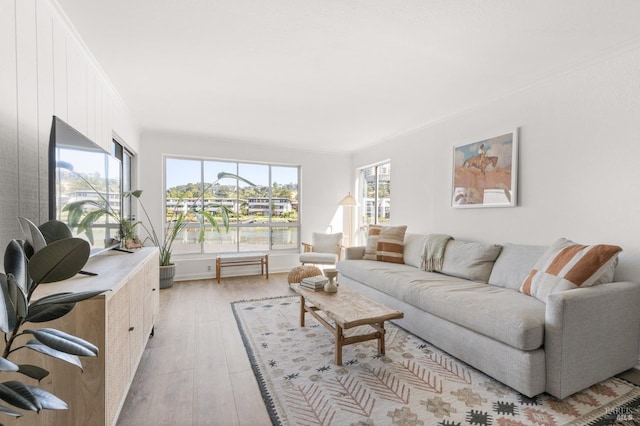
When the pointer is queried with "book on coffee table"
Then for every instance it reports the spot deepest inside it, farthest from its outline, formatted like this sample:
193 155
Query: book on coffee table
311 288
314 283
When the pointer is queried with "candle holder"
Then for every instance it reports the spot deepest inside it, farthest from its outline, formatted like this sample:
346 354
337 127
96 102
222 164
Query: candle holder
332 285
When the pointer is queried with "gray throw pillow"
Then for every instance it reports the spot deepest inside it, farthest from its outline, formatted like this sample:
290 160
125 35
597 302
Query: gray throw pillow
472 261
514 264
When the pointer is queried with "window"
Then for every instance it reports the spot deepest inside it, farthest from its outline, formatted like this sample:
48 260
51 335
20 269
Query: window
126 158
265 213
375 194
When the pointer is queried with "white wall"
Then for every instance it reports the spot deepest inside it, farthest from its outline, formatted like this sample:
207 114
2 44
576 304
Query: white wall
324 182
46 70
579 168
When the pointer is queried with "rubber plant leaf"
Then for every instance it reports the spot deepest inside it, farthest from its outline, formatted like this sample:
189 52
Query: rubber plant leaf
63 342
6 365
52 307
35 345
33 371
55 230
15 263
19 395
32 234
66 298
59 260
51 312
7 312
9 412
47 400
18 298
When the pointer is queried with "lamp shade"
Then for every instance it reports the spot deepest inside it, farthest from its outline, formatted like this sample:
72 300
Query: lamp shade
348 200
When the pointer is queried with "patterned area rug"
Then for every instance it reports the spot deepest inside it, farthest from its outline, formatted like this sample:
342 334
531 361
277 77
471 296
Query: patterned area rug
415 383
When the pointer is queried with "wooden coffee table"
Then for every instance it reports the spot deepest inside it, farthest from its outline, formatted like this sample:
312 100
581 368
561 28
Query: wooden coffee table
347 309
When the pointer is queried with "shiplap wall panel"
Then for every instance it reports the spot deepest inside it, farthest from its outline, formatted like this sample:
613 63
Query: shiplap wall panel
91 104
8 124
100 125
46 98
46 70
60 70
77 87
27 82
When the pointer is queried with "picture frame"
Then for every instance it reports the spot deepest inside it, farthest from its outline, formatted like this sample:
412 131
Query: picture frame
485 172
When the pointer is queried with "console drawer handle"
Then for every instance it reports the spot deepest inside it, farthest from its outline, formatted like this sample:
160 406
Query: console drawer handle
131 328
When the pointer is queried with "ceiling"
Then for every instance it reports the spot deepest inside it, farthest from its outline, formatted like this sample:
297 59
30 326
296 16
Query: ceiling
336 75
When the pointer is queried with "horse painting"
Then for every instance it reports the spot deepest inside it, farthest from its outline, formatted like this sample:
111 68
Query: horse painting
481 162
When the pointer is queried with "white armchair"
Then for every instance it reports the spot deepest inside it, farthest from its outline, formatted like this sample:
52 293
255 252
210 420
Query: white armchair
325 249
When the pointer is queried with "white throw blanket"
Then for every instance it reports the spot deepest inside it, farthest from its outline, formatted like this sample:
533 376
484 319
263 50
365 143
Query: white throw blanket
433 255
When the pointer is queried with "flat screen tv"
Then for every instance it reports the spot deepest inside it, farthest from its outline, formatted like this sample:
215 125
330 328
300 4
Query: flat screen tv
79 169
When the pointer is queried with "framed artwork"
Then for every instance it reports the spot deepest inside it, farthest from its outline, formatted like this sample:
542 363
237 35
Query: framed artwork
485 172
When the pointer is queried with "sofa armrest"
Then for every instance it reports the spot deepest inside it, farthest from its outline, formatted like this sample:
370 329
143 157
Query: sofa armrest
591 334
352 253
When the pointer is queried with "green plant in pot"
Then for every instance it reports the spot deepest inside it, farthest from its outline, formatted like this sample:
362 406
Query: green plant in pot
180 219
130 238
82 214
49 255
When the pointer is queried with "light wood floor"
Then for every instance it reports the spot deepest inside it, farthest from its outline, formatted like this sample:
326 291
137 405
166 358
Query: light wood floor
195 370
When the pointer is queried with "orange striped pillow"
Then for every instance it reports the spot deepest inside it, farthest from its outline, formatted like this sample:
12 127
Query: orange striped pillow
567 265
391 244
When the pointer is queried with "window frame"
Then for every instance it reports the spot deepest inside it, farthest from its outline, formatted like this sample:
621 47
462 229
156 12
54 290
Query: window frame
363 200
237 227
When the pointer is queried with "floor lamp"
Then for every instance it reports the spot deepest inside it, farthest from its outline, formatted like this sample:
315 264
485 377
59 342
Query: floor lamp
349 201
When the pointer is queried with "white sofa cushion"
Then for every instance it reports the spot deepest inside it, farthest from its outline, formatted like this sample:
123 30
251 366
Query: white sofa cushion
502 314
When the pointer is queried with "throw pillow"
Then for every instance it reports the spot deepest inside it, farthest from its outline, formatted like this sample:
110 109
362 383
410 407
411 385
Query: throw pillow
326 243
371 249
567 265
391 244
471 261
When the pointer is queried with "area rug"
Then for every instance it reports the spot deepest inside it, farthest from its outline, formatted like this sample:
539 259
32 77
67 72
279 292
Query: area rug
415 383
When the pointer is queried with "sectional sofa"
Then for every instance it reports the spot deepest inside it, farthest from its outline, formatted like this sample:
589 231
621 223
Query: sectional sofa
475 309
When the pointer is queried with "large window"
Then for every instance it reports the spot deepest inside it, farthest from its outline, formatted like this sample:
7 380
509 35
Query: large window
375 194
265 212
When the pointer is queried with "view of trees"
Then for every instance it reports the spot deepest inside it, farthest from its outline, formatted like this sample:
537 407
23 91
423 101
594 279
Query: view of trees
193 190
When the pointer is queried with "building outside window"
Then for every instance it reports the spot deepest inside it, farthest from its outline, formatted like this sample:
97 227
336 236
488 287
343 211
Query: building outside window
375 195
265 215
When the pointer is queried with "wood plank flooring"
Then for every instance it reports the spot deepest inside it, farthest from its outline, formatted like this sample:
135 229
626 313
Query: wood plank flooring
195 370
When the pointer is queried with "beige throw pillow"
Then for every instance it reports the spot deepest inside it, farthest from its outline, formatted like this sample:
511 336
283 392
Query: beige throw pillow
391 244
371 249
567 265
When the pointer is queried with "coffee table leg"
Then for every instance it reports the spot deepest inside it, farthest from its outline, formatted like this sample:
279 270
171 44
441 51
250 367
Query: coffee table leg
381 340
338 345
302 311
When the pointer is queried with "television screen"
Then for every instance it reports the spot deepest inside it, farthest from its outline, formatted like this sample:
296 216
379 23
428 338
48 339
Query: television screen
85 179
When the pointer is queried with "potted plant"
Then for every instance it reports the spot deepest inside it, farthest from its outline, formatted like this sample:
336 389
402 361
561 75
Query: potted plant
82 214
181 216
79 218
50 255
130 238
